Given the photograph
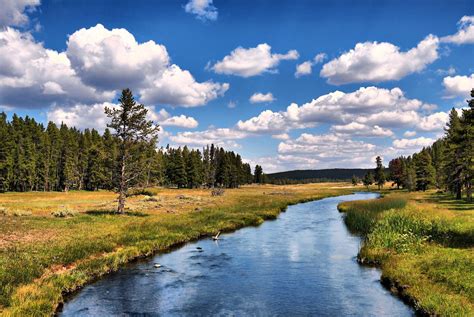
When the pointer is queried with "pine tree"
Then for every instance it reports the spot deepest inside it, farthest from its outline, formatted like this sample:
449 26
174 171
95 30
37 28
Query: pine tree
409 175
65 158
5 154
156 169
368 179
355 180
85 146
213 165
54 156
222 168
131 127
95 174
396 171
453 163
69 165
206 166
258 174
42 165
467 146
194 169
437 155
111 158
248 173
178 169
424 170
379 174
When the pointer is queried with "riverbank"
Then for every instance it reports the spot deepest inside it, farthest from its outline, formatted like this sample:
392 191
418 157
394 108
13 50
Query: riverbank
424 243
302 264
54 243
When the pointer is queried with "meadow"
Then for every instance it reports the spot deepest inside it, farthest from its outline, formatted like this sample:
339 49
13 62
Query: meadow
424 243
53 243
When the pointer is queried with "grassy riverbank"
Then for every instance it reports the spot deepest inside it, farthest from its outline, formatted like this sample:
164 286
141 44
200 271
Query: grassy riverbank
43 256
424 243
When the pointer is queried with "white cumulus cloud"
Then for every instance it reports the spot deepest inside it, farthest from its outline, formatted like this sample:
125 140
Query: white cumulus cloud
81 116
415 144
409 134
306 68
164 118
359 129
202 9
328 150
266 122
434 122
84 116
303 69
465 33
368 111
33 76
269 122
219 136
178 87
319 58
97 64
281 136
12 12
248 62
458 86
259 97
391 118
377 62
367 105
113 59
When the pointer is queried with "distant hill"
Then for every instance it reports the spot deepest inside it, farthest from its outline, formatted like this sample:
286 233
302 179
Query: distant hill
339 174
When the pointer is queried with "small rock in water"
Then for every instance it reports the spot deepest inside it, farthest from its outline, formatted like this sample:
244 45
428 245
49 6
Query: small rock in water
199 248
157 265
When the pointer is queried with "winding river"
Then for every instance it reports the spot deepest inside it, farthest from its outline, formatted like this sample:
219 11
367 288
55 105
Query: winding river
302 264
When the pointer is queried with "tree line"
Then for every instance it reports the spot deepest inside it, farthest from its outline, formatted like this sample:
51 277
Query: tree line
315 176
447 165
62 158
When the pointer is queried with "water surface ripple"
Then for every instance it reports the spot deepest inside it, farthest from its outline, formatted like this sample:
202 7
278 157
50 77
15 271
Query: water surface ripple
302 264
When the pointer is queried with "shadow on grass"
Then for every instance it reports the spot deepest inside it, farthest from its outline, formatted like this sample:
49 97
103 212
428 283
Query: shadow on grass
448 201
114 213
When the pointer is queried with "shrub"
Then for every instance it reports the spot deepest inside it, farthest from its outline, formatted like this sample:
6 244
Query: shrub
3 211
20 213
142 191
217 192
151 199
65 211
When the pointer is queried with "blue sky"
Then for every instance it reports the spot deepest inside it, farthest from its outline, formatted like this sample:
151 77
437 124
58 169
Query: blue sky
375 77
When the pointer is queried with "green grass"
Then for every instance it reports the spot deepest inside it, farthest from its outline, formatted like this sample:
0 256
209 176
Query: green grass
360 216
45 257
425 248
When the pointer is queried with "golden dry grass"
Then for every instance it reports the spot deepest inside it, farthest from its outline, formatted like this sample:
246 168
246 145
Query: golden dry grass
42 256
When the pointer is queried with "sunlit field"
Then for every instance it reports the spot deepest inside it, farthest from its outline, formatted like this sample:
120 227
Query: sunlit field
424 242
53 243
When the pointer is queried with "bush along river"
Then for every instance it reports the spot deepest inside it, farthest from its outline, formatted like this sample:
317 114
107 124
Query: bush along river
302 264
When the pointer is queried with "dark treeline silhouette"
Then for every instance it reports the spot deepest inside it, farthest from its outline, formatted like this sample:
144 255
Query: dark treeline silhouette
52 158
315 176
447 165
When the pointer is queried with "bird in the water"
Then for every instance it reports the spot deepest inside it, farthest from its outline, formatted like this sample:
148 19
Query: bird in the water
216 237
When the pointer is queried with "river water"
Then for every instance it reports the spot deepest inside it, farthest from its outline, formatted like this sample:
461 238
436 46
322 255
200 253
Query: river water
302 264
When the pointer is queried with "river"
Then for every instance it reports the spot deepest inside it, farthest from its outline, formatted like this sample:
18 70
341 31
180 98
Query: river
302 264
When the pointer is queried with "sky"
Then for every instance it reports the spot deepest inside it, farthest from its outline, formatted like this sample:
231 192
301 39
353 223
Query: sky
287 84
